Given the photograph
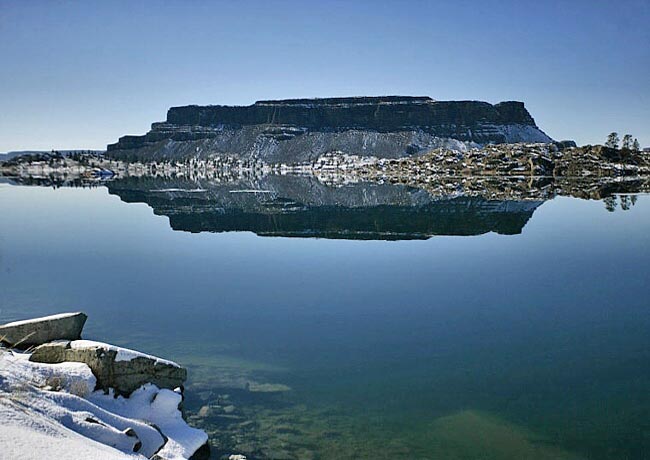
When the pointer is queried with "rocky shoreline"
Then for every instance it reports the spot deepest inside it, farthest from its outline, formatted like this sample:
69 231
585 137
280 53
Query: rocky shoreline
64 397
495 171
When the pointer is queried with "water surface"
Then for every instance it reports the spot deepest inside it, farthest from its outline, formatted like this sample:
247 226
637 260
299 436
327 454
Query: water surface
404 327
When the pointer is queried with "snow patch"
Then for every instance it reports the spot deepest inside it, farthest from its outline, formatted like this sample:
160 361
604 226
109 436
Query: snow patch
76 378
161 408
524 133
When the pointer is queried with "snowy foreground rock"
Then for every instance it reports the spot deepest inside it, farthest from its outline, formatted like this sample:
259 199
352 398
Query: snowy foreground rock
115 368
59 410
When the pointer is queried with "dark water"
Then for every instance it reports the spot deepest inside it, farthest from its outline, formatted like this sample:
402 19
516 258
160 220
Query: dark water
390 325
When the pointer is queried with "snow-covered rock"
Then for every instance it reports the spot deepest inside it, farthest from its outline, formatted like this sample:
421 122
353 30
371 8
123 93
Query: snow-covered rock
116 368
158 406
37 331
50 411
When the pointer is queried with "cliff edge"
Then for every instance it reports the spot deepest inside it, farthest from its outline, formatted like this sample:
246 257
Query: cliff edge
297 130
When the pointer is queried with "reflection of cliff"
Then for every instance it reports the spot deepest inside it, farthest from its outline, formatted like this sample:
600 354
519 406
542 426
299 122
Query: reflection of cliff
303 207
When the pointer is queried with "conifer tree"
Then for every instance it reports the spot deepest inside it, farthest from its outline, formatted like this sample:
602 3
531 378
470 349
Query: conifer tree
627 142
612 140
610 203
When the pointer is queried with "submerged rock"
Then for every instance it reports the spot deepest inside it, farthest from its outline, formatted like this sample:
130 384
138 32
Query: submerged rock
118 368
202 453
37 331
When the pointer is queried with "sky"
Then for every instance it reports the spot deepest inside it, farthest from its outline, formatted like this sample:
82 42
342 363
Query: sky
82 74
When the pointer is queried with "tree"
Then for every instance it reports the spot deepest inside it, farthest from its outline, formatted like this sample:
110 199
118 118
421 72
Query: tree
627 142
635 145
626 202
610 203
612 140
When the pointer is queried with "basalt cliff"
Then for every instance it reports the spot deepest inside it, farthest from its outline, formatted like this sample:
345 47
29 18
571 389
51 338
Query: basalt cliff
299 130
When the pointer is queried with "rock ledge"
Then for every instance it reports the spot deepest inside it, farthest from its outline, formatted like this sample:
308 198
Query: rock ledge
31 332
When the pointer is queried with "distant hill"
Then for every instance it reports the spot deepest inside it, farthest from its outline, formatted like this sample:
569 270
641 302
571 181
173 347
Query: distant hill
9 155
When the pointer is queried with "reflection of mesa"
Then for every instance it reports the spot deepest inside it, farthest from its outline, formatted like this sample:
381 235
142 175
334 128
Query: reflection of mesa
302 129
298 206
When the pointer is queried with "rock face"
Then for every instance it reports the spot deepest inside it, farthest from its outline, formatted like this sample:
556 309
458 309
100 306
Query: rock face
302 129
114 367
24 334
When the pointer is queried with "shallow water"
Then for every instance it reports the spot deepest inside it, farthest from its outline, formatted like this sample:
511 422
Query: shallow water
486 345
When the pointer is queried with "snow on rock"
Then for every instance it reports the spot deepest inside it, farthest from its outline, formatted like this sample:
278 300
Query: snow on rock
50 411
43 318
161 408
76 378
37 331
114 367
30 436
524 133
123 354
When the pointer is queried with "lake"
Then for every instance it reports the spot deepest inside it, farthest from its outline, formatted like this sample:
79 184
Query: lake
358 321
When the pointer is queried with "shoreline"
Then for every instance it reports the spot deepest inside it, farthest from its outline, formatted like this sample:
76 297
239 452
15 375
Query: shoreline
508 160
64 397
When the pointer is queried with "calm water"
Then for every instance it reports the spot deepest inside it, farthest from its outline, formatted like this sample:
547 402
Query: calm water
526 337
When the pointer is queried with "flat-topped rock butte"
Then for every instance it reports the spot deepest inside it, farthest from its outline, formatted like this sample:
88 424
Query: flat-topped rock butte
302 129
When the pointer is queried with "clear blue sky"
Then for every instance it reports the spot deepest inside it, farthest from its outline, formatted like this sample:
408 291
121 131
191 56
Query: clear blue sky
81 74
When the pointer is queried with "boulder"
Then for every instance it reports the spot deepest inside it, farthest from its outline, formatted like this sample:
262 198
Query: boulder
118 368
566 144
31 332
